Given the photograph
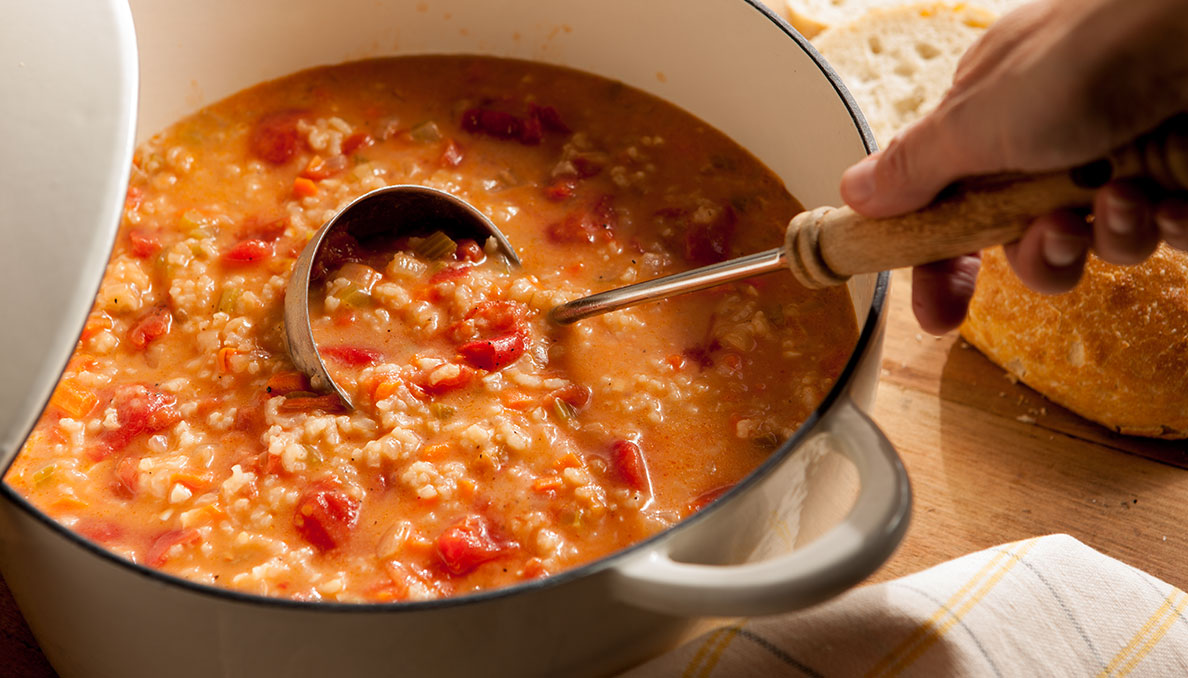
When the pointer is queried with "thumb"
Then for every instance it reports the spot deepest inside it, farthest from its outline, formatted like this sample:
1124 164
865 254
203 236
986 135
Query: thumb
905 176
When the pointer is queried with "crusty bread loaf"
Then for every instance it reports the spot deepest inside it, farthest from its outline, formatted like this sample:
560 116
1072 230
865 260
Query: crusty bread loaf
1114 350
810 17
898 62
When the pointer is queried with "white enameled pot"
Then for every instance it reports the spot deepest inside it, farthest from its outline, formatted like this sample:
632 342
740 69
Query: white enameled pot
801 528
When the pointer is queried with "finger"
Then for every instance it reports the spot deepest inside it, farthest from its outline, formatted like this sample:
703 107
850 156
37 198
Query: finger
906 175
1171 217
941 292
1124 230
1050 256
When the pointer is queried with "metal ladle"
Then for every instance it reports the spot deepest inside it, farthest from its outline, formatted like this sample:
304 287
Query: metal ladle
822 247
404 210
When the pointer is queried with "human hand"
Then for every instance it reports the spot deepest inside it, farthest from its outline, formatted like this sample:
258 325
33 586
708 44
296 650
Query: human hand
1055 84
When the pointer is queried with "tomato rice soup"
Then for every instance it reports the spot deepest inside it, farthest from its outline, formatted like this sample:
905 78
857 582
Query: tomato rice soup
488 446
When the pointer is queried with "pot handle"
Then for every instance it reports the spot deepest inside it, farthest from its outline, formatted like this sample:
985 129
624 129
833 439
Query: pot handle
839 559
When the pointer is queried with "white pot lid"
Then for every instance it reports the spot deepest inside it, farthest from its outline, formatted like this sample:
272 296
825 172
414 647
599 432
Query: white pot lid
68 75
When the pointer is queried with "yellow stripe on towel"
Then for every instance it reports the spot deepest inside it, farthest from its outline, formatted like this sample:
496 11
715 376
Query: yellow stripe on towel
931 631
714 645
1153 630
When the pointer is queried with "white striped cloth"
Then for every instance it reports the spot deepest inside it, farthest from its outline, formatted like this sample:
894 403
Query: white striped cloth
1048 606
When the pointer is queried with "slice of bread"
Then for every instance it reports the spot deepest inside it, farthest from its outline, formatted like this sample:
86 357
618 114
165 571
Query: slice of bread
810 17
899 62
1113 350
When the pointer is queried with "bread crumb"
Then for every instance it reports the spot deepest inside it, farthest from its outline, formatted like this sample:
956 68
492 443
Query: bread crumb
1026 419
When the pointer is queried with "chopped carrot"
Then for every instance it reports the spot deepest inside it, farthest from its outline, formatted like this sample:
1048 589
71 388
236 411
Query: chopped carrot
570 460
547 484
68 504
676 361
73 399
418 543
286 382
329 403
304 188
517 400
96 324
430 452
467 487
383 390
315 168
194 481
223 359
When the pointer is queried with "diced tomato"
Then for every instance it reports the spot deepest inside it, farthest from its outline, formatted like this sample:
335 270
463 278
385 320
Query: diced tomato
493 123
352 356
127 474
495 316
703 354
150 327
451 155
465 374
248 252
283 383
449 273
329 403
469 250
493 354
144 244
588 166
561 188
528 130
355 142
549 118
588 225
98 531
325 517
628 463
531 131
158 553
575 394
133 197
275 138
468 543
338 248
706 498
250 417
263 228
709 243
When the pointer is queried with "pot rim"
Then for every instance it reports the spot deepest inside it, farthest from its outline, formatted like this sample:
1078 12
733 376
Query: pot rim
866 339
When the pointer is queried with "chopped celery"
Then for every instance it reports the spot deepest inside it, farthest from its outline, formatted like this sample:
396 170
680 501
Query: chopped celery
564 411
353 296
228 299
44 474
767 441
425 132
361 276
442 411
435 246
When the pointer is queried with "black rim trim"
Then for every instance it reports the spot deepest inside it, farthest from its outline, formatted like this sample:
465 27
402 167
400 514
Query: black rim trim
869 332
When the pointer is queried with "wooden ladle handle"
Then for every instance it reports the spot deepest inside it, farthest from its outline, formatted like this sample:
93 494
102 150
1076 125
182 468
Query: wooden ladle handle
827 245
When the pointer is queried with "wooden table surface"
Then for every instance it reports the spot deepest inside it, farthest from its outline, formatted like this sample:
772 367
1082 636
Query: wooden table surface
990 462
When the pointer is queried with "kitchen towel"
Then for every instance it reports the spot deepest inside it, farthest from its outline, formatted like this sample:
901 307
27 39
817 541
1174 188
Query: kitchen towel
1048 606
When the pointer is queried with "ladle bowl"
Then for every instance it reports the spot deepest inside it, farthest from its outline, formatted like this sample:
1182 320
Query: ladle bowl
402 210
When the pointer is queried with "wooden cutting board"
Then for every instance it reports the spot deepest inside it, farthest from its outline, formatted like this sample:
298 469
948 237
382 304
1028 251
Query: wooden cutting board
990 461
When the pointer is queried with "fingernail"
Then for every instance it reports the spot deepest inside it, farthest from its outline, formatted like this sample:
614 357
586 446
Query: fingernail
1060 249
1120 215
858 182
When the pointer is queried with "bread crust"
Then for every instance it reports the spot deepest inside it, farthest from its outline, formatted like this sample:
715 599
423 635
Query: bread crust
1114 350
